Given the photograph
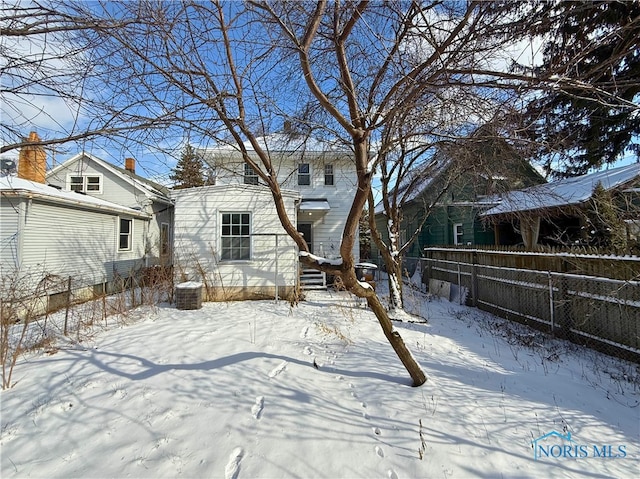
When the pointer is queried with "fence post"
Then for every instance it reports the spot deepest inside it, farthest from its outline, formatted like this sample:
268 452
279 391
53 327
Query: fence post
474 279
66 313
563 309
427 271
551 308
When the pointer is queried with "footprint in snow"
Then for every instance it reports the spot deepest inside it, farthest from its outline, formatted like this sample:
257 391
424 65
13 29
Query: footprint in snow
308 351
303 333
281 367
391 474
257 408
233 466
379 451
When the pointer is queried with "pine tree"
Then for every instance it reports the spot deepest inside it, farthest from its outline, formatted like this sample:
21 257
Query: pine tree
592 53
189 171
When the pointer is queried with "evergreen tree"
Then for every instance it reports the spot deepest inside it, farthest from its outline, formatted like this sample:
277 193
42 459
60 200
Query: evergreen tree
189 171
592 56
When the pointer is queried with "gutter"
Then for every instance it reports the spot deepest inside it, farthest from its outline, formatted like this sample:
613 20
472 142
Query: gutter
30 195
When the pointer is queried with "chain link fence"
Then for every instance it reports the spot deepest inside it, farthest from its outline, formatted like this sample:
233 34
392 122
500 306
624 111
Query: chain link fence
598 312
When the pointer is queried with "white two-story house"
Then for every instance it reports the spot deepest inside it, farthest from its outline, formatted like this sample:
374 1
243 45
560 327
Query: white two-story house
318 180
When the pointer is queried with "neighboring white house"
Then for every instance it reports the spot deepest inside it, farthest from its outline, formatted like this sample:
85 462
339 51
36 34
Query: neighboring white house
51 236
97 178
229 238
324 175
89 230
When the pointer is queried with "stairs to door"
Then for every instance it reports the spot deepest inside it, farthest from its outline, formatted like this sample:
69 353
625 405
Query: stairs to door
312 279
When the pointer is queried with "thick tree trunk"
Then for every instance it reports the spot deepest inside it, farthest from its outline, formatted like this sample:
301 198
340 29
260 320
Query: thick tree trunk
415 371
394 270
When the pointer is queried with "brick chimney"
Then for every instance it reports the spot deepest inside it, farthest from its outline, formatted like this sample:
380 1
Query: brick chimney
32 162
130 164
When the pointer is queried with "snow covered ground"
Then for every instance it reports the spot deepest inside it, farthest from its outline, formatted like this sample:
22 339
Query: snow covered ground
230 391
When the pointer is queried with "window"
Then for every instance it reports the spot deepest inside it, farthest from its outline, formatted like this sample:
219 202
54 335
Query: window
125 234
76 183
328 175
457 233
236 236
304 175
164 239
86 184
250 176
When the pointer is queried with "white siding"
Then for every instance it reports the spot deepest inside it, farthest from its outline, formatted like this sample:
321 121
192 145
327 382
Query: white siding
62 241
327 231
118 190
114 188
197 238
9 235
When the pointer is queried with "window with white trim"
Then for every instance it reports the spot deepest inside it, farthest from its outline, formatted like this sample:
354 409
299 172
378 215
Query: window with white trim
328 175
125 234
250 175
304 174
457 233
236 236
85 183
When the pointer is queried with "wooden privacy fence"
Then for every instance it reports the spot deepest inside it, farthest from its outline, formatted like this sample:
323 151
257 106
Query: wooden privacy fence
565 299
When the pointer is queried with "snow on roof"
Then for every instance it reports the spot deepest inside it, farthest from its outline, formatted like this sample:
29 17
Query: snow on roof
286 142
150 187
428 173
22 187
569 191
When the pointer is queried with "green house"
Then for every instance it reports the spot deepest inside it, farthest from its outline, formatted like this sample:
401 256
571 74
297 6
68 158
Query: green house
458 195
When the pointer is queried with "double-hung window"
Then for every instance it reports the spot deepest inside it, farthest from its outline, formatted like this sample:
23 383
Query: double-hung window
250 175
125 234
328 175
236 236
457 233
304 174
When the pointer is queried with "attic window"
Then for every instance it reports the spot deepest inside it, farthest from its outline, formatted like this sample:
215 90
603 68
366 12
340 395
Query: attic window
85 183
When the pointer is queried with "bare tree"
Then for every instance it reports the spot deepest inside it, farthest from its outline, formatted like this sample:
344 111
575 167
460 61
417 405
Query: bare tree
228 72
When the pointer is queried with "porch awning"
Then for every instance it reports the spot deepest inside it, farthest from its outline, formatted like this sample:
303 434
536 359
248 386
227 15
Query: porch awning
314 205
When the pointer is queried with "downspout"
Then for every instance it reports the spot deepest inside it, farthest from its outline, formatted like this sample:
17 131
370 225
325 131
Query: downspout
22 221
